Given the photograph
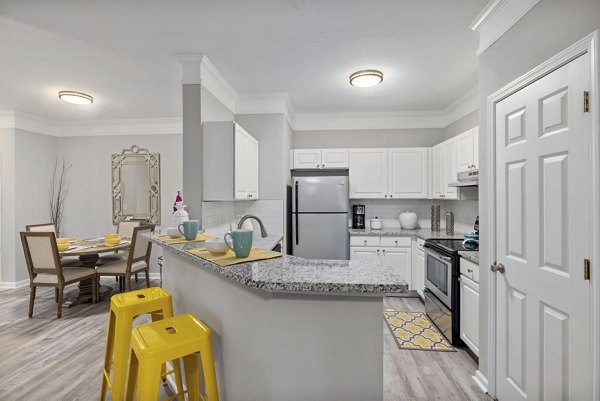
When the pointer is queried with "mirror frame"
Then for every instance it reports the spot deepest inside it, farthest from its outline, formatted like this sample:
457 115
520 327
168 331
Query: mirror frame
136 156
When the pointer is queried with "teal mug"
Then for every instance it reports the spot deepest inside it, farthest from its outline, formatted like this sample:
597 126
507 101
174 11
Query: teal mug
190 229
241 241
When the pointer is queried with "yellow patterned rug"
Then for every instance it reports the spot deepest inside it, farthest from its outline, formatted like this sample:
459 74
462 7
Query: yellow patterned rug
413 330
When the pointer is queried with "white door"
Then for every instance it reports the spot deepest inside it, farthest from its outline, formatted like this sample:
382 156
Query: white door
542 196
241 163
399 259
334 158
469 313
438 171
307 158
408 173
450 169
364 253
464 151
253 167
368 173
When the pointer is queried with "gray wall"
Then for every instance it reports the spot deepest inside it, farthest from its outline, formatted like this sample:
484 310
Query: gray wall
212 109
34 162
8 235
464 124
383 138
268 129
551 26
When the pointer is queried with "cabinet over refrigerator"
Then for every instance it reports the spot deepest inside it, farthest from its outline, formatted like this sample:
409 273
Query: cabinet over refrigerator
320 216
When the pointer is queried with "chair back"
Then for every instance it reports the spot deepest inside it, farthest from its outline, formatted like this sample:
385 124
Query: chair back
41 228
125 228
41 254
140 246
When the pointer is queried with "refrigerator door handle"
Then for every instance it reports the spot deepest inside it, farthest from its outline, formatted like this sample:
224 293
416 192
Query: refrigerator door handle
296 201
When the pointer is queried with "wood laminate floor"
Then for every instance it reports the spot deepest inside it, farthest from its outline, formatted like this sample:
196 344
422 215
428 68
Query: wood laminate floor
425 375
48 359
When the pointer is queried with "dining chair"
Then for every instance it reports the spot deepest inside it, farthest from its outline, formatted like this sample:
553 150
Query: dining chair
51 228
124 230
45 268
137 261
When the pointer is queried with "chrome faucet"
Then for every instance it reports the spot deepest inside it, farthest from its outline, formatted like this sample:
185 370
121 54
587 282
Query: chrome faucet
263 230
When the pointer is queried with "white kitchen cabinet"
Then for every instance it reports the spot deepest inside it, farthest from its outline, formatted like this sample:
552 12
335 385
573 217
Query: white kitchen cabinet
450 168
334 159
364 253
418 267
306 158
467 153
393 251
321 159
400 261
469 313
368 175
438 176
408 173
229 163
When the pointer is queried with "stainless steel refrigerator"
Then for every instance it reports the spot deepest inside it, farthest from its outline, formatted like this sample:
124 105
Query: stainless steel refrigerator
320 217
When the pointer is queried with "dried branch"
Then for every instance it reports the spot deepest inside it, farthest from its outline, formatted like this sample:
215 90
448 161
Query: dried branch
59 187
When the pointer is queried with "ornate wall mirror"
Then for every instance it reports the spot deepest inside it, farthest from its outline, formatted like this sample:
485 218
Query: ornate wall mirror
136 185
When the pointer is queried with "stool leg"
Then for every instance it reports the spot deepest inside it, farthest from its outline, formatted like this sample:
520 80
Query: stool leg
208 368
178 379
133 376
192 379
109 353
121 353
148 380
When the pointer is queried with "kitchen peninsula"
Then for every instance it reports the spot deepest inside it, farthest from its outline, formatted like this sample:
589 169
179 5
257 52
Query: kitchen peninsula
288 328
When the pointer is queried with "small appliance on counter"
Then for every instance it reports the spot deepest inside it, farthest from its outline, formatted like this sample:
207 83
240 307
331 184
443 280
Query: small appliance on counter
376 224
358 217
408 220
471 240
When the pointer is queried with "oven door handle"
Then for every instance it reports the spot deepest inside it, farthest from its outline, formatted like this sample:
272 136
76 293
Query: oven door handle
438 255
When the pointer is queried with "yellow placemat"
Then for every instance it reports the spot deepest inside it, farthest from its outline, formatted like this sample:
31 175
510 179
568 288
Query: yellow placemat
172 241
230 259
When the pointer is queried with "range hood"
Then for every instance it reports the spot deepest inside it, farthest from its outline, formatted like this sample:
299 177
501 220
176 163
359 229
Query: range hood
466 179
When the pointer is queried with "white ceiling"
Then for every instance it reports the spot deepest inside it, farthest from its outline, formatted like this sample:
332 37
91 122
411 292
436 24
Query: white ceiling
123 53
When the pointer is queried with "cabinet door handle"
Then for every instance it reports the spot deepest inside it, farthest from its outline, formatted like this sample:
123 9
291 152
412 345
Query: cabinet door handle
378 251
391 196
365 242
385 196
383 251
322 166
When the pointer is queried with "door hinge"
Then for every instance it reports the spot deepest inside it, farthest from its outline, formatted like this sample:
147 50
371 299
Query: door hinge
586 102
586 269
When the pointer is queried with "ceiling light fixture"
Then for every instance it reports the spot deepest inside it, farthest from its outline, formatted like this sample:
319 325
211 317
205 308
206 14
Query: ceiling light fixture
366 78
75 97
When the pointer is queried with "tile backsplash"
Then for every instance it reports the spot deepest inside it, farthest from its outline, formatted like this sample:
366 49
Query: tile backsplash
465 211
221 216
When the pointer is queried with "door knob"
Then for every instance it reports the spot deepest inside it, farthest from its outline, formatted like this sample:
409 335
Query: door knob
497 267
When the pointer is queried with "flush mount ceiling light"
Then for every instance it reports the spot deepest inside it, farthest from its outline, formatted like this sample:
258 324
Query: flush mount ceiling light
366 78
75 97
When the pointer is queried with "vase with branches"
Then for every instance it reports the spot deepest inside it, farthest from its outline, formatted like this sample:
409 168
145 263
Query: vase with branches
59 187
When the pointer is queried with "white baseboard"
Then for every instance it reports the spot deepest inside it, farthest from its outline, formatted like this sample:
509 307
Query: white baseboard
154 276
481 381
14 284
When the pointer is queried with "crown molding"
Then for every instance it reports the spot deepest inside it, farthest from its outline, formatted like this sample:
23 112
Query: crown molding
461 107
266 103
497 18
217 84
375 120
190 68
74 128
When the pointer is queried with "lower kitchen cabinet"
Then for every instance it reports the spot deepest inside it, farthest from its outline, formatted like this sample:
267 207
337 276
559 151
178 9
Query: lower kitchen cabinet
469 313
393 251
419 271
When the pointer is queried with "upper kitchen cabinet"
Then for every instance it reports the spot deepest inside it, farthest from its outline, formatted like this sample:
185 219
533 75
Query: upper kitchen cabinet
467 153
326 159
408 173
368 175
444 170
230 162
389 173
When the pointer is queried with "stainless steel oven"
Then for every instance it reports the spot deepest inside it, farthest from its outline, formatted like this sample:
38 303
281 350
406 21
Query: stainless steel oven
438 276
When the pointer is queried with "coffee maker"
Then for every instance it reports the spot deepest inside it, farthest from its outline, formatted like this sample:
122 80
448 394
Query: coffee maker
358 217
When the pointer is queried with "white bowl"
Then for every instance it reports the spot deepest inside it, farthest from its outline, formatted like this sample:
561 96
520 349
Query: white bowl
173 232
216 246
376 224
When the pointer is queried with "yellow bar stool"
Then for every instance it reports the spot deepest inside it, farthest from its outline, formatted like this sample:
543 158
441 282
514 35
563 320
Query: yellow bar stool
124 308
153 344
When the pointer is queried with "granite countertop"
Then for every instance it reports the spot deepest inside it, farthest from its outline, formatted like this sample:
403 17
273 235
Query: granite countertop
423 233
291 274
472 256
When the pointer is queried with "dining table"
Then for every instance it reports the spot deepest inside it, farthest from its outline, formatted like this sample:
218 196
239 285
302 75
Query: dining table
88 252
